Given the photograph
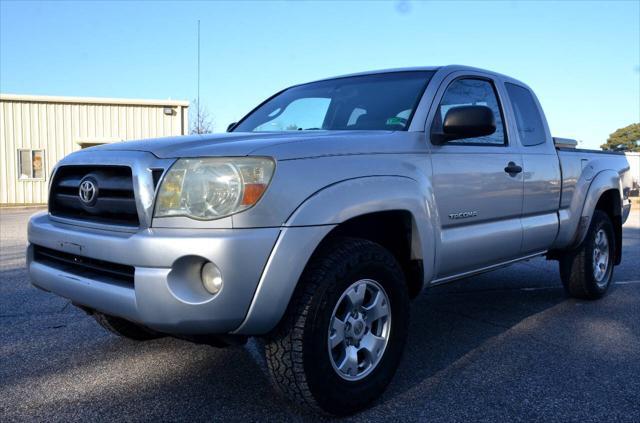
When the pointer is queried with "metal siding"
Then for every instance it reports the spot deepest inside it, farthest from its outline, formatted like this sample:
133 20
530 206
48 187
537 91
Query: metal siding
99 132
115 122
20 142
4 141
12 152
185 120
59 126
634 164
3 157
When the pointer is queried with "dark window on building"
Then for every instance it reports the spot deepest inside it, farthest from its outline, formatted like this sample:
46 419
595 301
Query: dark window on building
31 164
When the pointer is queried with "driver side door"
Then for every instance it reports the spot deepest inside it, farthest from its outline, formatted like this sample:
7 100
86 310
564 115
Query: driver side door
479 202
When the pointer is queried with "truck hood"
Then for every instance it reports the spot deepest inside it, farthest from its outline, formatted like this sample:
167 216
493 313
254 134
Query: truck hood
289 145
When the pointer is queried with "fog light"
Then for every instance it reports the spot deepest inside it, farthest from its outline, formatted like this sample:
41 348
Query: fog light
211 278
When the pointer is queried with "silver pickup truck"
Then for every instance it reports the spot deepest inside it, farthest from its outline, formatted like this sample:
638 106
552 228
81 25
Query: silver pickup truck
319 215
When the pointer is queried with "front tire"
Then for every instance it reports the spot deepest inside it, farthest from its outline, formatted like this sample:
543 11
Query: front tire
339 344
586 273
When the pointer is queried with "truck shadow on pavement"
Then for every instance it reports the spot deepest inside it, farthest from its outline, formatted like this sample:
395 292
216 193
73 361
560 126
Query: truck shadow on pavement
449 327
498 346
70 362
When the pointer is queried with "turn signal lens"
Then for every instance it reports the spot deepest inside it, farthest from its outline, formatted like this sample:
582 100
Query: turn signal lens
252 193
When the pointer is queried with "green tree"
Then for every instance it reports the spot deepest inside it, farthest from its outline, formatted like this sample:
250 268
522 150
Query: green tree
627 139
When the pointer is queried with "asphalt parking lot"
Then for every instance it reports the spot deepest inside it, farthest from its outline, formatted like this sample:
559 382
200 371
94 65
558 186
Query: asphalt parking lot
503 346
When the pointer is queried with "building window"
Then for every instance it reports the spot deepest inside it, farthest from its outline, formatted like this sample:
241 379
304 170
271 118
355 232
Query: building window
31 164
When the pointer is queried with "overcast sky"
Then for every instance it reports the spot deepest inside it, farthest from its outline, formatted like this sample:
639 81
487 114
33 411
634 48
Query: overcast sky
581 58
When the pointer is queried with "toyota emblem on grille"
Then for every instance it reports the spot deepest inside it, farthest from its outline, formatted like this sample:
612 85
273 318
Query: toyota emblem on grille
88 191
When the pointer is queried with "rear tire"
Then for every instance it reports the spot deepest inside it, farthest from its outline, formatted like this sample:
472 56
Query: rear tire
586 272
311 354
125 328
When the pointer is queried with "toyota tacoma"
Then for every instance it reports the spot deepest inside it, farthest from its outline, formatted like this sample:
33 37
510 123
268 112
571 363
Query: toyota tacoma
316 218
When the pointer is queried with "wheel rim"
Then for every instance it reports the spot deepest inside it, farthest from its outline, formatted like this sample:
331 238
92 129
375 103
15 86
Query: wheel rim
601 257
359 330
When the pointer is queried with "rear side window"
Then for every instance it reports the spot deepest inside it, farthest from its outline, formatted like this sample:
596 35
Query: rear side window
528 119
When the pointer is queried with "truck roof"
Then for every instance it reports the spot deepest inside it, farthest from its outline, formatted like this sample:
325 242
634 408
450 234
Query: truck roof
451 68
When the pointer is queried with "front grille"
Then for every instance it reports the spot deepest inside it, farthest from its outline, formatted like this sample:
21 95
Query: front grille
84 266
114 201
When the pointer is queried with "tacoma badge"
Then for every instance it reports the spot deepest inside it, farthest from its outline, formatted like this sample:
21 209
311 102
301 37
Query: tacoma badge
463 215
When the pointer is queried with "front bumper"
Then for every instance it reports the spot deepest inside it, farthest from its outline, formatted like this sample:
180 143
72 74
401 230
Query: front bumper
166 294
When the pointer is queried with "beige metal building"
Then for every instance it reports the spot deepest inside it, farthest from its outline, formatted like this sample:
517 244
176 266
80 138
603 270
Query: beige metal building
634 163
37 131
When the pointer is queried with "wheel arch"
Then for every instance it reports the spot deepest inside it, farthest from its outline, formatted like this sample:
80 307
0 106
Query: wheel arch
393 211
395 230
605 194
610 202
371 207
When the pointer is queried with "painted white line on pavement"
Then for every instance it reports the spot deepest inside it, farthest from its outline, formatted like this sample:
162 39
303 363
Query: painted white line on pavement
627 282
540 288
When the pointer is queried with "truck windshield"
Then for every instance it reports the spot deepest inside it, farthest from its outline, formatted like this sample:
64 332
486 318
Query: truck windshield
379 102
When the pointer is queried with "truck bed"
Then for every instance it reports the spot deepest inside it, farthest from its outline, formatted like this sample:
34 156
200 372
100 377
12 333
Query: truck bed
582 171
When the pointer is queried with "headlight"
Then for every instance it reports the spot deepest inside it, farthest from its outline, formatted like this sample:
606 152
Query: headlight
211 188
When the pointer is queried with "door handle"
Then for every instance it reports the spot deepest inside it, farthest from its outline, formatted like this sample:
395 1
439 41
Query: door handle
513 169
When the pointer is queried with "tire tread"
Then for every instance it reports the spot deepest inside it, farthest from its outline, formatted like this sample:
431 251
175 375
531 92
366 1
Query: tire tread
284 346
575 268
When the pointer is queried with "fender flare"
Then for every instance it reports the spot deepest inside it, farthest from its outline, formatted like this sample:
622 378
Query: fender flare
355 197
312 221
604 181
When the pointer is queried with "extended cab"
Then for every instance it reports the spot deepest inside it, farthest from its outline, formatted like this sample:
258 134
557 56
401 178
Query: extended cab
320 214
